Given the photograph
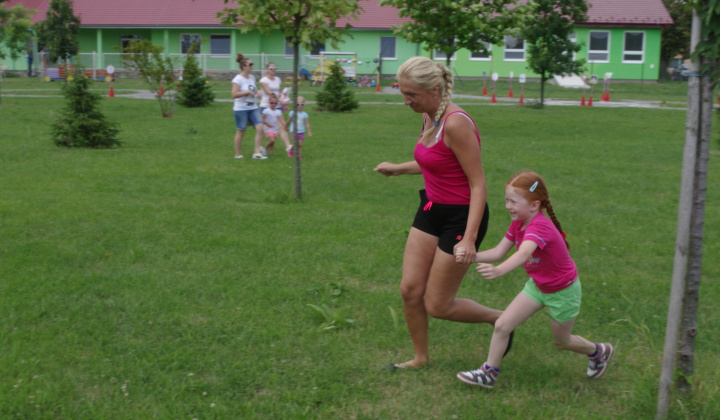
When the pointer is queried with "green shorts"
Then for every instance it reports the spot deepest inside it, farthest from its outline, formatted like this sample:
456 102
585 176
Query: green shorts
563 305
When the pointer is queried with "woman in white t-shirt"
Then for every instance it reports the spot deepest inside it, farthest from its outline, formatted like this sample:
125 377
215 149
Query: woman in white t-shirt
270 84
244 93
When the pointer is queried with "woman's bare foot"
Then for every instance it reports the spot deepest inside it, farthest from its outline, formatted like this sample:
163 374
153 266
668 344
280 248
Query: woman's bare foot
410 364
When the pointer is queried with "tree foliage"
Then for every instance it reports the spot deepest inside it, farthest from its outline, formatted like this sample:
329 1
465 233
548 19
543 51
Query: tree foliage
157 70
302 22
194 91
676 37
547 34
14 30
709 14
81 123
336 95
59 31
448 25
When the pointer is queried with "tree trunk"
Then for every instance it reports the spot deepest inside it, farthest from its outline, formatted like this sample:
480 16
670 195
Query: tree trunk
294 139
688 329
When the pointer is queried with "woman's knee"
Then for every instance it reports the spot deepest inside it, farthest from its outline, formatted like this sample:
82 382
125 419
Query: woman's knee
437 309
411 293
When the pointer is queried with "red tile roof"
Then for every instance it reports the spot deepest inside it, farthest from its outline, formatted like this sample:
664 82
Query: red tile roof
201 13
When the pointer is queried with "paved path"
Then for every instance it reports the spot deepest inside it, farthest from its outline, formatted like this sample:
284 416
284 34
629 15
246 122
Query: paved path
680 106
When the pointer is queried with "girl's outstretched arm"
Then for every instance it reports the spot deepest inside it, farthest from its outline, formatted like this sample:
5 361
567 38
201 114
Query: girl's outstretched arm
490 255
517 259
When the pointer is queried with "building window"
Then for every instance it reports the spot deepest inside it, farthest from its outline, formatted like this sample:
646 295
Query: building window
187 40
439 55
220 44
634 47
317 48
599 47
388 47
289 50
482 55
126 39
514 48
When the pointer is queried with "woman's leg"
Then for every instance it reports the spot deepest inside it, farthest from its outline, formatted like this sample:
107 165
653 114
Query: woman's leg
283 134
238 142
440 298
564 340
417 261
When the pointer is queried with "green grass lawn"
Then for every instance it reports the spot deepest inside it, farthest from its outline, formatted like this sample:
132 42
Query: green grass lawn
165 279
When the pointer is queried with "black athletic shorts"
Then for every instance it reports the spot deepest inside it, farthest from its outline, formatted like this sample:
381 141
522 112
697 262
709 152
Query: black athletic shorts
447 222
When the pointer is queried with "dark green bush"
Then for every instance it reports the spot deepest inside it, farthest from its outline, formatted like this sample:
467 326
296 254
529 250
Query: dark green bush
81 124
194 89
336 95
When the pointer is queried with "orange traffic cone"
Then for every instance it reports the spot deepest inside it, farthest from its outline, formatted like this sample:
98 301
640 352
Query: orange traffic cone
492 100
510 94
161 91
590 101
112 92
582 101
484 91
521 99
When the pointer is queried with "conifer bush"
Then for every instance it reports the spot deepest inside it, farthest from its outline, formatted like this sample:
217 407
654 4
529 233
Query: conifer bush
336 95
194 90
81 123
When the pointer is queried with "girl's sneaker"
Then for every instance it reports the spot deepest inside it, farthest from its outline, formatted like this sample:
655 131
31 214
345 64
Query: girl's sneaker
484 377
598 364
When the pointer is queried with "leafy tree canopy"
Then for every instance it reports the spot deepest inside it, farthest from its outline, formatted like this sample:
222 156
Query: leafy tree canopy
14 29
547 34
59 31
448 25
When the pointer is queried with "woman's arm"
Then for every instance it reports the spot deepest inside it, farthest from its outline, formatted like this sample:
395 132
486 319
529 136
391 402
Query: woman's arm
461 139
265 88
237 93
394 169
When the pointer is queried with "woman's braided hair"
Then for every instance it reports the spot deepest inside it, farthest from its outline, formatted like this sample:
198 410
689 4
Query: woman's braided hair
532 187
427 74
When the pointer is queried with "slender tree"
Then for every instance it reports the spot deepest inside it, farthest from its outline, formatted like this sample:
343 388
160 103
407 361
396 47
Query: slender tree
59 31
547 34
14 31
157 70
448 25
302 22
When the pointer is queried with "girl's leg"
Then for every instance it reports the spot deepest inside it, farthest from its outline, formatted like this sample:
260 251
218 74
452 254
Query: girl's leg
238 141
417 261
270 145
564 340
519 310
258 137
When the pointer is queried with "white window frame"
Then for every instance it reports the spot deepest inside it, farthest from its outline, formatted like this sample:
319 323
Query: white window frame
605 51
626 52
514 50
394 38
573 38
440 56
125 40
486 58
222 55
199 39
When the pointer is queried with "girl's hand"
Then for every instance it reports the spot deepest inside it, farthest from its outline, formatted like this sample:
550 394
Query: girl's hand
459 254
488 271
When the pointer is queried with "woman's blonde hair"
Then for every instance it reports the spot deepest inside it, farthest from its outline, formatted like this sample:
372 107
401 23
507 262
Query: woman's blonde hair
427 74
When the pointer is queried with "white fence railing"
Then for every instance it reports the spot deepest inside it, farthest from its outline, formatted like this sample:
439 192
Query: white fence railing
207 62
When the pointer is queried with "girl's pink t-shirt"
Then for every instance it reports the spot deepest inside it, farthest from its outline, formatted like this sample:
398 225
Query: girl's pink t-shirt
445 180
550 265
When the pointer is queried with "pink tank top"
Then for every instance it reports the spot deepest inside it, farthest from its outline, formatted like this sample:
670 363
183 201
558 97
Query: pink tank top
445 180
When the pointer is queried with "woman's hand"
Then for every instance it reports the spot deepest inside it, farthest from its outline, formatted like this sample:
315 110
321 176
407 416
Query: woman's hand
387 169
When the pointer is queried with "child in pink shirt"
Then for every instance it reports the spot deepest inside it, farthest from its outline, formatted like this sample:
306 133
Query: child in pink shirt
544 253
